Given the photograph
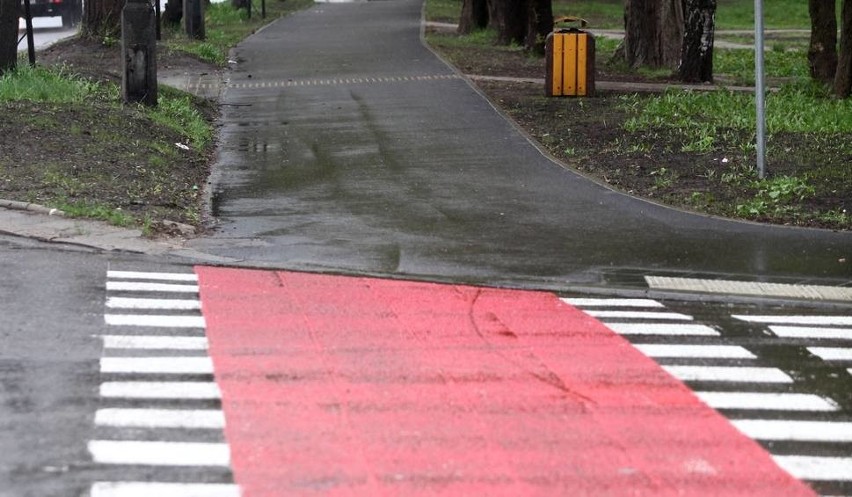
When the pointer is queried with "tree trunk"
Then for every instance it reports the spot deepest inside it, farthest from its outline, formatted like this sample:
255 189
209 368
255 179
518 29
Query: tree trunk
539 24
843 78
696 60
671 26
8 35
822 52
474 16
241 4
102 18
509 18
173 13
653 33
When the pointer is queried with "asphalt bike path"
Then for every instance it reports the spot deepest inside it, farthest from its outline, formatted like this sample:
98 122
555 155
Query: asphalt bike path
346 145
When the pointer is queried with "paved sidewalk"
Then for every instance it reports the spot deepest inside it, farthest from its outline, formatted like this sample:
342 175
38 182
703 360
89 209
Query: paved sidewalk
347 145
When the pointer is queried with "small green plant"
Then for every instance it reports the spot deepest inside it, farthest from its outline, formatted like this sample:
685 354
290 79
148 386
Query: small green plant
701 144
775 196
96 211
178 113
663 178
47 85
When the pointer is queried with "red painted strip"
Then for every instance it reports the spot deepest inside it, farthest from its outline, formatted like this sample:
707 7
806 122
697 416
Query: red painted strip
353 386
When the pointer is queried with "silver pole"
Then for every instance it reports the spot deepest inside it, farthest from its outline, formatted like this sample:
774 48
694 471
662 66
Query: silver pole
759 90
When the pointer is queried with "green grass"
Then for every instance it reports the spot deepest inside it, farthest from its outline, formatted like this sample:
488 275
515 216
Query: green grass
91 210
226 26
609 14
178 112
601 14
802 108
739 64
443 10
777 14
48 85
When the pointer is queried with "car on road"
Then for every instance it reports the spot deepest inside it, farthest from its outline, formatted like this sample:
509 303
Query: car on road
71 11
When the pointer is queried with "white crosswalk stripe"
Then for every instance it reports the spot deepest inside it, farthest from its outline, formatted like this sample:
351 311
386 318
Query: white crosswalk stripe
157 331
733 377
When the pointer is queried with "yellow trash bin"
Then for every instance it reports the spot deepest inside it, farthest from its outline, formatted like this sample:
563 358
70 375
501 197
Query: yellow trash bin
570 54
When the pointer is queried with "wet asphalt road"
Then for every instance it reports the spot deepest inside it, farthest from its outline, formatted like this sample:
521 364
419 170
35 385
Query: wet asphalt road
348 146
52 307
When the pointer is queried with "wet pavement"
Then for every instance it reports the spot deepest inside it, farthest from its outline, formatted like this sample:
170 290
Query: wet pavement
348 146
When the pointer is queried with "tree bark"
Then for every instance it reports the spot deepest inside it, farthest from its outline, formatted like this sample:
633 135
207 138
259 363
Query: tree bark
173 13
696 60
102 18
508 17
843 77
8 34
822 52
539 24
474 16
653 33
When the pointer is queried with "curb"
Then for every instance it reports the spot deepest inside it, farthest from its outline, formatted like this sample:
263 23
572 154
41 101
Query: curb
26 206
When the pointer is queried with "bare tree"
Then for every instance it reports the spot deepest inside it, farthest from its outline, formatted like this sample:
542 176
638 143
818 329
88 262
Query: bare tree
8 34
696 59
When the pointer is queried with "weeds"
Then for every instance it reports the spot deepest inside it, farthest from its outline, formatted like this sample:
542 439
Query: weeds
39 84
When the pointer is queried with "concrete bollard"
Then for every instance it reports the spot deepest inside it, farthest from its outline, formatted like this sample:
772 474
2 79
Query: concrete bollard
193 18
139 50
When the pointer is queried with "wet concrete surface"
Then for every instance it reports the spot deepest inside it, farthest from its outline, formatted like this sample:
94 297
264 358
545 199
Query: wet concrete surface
348 146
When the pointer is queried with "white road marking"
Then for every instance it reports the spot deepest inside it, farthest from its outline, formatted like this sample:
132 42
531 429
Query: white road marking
160 453
154 365
612 302
798 431
638 315
161 418
814 292
156 321
668 329
131 286
804 320
695 351
159 304
197 390
728 374
767 401
811 332
154 342
831 353
149 489
140 275
817 468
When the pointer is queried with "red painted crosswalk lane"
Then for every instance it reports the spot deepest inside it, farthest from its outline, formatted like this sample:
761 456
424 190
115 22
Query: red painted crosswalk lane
336 385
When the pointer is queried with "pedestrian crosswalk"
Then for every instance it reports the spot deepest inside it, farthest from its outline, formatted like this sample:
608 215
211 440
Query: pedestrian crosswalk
809 433
159 428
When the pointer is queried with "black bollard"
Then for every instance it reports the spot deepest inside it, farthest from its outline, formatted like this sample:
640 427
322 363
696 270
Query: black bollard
193 18
139 49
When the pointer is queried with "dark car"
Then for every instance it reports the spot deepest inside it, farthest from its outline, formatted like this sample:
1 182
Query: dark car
71 11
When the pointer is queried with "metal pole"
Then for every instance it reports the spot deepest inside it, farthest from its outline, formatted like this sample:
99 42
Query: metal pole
759 90
28 19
